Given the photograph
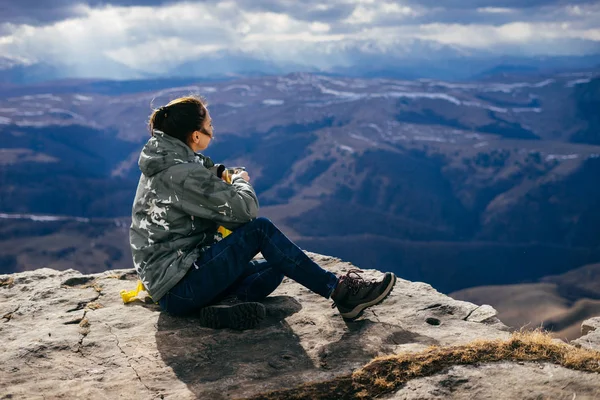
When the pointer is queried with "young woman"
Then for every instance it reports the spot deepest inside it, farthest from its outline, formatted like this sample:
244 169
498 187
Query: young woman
185 264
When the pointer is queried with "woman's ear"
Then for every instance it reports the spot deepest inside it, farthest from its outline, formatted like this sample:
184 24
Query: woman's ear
196 136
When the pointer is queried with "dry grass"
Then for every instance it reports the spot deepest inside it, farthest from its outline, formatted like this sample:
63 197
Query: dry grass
8 282
94 305
97 287
388 374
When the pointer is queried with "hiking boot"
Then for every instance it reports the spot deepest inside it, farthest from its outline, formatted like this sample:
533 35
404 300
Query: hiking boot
232 313
353 294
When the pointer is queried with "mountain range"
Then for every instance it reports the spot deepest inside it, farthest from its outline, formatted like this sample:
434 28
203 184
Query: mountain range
458 184
396 59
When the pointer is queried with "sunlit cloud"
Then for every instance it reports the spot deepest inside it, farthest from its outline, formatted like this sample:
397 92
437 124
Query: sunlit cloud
155 36
536 37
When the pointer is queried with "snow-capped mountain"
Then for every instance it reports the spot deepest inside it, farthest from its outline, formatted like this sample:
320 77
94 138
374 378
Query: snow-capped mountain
392 58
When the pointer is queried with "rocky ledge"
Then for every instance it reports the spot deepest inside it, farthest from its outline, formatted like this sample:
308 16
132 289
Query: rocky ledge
68 335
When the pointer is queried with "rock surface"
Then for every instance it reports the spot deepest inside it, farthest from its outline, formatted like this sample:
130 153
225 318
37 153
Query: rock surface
510 380
69 335
505 380
590 334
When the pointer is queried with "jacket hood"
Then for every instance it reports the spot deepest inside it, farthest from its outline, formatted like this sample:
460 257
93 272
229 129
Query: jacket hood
163 151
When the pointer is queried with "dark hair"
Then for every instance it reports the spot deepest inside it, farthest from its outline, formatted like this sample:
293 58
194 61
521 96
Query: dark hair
180 118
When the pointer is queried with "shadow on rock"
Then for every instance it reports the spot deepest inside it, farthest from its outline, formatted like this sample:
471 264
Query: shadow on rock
224 363
279 308
365 340
147 303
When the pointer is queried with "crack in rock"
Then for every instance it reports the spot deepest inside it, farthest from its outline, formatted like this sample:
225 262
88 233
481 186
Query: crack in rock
74 321
84 324
83 304
9 315
127 359
376 316
429 307
471 312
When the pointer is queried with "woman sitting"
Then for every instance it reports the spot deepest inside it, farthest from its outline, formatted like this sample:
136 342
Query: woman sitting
183 261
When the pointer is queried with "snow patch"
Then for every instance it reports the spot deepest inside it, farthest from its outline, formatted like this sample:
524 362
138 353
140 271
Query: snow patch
188 89
5 121
273 102
67 112
411 95
346 148
45 96
80 97
480 105
430 139
36 124
332 81
543 83
42 218
29 113
375 126
337 93
418 95
360 137
527 109
550 157
241 87
235 105
577 82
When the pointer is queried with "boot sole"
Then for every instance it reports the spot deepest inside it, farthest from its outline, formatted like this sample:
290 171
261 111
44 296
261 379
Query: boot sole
355 312
238 316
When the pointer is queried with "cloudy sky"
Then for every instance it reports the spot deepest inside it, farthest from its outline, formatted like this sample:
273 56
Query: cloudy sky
155 36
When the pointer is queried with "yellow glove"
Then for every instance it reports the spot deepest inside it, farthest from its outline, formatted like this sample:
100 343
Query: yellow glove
131 295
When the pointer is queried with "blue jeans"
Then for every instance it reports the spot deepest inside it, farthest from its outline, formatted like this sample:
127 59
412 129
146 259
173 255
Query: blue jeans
228 268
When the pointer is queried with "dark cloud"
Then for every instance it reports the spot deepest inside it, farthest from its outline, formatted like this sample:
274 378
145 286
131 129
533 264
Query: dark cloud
35 12
41 12
473 4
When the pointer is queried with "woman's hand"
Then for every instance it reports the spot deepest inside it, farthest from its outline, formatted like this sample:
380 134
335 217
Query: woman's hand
243 174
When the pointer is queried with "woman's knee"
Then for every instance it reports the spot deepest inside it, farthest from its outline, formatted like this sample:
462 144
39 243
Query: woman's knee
264 224
263 221
259 285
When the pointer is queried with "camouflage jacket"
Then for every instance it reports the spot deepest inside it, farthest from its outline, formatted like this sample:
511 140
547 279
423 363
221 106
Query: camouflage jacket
179 203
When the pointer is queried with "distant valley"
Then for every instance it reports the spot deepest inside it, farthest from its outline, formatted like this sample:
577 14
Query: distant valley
558 303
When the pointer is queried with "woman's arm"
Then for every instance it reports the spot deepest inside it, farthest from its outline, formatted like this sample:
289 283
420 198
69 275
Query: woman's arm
216 169
207 196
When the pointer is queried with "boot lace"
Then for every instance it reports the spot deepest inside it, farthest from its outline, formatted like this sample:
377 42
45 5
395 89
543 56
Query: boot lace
353 281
